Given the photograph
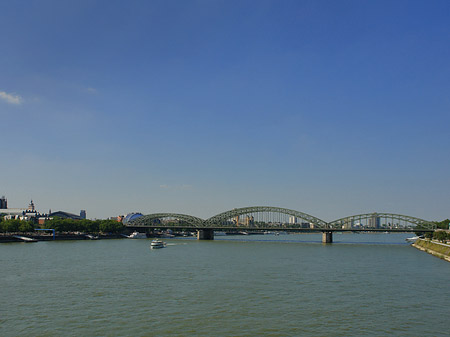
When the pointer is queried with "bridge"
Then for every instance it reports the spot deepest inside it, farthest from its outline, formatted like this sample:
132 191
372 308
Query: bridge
267 218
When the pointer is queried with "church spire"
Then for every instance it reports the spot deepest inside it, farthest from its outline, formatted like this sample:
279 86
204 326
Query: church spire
31 207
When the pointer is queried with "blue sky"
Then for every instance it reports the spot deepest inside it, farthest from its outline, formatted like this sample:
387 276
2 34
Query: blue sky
332 108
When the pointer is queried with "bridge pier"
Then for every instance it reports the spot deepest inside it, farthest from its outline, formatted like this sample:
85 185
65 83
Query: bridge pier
205 234
327 237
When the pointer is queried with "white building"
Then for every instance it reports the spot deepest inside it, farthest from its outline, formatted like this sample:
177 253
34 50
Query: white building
19 213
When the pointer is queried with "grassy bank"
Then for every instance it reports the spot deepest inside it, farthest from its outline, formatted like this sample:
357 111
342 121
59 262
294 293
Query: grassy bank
433 248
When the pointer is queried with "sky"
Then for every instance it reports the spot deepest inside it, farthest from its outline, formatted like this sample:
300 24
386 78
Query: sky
331 108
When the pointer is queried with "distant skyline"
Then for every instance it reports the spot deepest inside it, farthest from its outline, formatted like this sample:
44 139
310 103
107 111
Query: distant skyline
332 108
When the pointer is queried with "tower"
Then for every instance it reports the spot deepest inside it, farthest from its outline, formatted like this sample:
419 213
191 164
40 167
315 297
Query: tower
31 208
3 203
374 221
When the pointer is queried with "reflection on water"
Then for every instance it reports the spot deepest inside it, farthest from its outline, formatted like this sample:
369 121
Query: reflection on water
262 285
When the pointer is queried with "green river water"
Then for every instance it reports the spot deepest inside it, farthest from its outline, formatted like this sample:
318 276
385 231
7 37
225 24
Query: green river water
262 285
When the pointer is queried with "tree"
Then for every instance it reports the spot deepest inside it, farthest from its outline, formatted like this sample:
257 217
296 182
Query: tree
443 224
441 236
84 225
26 227
429 235
11 225
111 226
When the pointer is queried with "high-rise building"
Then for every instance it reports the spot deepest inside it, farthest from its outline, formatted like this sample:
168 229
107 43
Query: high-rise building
236 220
348 223
292 220
374 221
83 214
249 220
3 203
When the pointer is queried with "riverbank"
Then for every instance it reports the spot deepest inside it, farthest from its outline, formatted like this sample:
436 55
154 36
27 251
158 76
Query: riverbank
48 237
434 248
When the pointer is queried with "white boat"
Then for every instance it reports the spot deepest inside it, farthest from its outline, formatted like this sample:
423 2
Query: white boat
137 235
413 239
157 244
24 238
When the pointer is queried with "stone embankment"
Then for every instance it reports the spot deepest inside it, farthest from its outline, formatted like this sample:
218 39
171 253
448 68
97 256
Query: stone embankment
434 248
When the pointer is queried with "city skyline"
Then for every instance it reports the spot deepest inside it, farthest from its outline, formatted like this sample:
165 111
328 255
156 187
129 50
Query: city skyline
332 109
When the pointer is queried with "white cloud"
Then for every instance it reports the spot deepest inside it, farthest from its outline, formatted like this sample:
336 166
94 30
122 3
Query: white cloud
10 98
91 90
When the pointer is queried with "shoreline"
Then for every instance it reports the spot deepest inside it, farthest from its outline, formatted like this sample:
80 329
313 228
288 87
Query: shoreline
58 237
434 248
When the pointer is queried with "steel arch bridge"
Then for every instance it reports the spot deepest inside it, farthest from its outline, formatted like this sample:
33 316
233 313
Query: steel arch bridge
150 219
374 219
219 219
224 220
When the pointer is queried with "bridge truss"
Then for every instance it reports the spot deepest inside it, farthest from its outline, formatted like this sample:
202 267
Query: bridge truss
264 217
168 220
277 218
381 221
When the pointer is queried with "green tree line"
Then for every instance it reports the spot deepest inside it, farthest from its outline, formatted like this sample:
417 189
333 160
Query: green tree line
442 224
13 226
63 225
442 236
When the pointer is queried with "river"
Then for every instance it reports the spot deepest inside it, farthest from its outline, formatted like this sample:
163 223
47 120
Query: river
262 285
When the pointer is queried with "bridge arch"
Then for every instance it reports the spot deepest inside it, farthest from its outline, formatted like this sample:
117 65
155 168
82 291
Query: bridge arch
236 212
382 220
155 218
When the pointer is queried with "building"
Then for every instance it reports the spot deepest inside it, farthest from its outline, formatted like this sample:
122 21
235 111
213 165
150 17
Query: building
292 220
249 220
3 203
130 217
31 208
29 213
64 215
348 223
13 213
374 221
